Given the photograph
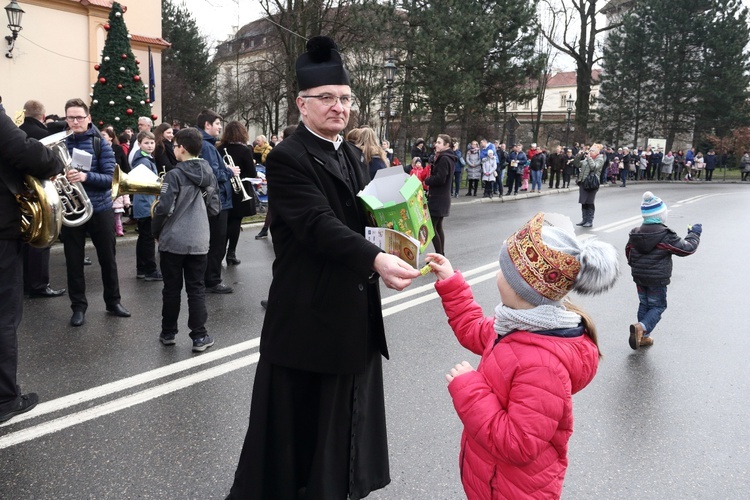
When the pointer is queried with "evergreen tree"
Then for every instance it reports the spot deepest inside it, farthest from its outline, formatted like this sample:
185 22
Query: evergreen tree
722 90
678 67
467 59
189 75
119 96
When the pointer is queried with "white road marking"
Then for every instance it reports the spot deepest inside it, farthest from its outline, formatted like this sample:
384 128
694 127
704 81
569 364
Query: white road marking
126 383
101 410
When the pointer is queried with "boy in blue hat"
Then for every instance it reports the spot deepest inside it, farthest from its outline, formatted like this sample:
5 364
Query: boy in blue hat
649 252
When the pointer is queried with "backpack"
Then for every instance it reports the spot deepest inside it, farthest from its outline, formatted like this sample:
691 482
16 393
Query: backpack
211 198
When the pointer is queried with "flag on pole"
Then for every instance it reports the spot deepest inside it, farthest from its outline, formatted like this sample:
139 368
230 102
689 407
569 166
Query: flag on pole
151 78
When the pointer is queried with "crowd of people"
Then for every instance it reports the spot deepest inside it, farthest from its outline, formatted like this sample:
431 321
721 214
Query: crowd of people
520 170
193 239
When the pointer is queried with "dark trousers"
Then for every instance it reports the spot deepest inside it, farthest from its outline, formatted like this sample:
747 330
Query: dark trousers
101 229
439 239
173 268
145 248
514 182
234 228
35 268
566 179
456 181
217 247
473 185
11 309
554 177
709 174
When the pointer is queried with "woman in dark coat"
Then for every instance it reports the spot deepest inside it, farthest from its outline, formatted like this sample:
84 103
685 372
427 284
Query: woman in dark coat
591 162
439 182
121 157
164 151
234 145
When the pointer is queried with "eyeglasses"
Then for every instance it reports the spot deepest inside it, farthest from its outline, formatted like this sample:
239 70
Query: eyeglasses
330 100
75 118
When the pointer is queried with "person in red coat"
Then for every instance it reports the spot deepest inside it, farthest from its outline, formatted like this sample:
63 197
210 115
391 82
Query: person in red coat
537 351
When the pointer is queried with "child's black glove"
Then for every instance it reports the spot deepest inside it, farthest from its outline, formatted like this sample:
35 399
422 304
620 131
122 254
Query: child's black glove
695 228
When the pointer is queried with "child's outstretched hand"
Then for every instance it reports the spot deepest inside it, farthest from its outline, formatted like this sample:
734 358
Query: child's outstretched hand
440 266
460 369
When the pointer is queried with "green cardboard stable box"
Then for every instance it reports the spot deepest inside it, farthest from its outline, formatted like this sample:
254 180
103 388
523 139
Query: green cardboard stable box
396 200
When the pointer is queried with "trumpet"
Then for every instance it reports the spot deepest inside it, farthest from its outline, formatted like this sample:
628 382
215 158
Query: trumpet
235 180
77 208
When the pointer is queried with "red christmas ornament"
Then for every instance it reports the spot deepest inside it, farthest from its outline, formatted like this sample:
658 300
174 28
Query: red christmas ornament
148 101
154 117
119 85
129 111
137 61
101 123
106 27
96 67
137 78
102 80
124 56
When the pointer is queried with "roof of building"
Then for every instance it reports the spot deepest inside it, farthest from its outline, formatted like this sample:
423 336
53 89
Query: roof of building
149 40
568 78
98 3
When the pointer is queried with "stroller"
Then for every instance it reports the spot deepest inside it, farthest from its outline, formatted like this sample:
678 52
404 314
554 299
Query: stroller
261 188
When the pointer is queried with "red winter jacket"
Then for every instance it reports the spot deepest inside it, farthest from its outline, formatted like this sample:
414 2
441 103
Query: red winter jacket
516 407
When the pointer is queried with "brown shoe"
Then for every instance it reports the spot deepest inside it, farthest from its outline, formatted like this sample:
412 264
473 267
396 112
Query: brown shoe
647 342
636 336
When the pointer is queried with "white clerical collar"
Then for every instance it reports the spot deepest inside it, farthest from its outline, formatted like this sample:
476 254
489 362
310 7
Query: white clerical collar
336 144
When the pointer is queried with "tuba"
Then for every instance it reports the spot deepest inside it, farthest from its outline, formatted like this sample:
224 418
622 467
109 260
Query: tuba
76 205
41 212
237 186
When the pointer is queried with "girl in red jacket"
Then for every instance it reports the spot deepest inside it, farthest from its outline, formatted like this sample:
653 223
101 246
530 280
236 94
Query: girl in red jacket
537 351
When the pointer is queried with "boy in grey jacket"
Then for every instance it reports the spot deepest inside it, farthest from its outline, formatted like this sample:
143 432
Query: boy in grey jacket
189 194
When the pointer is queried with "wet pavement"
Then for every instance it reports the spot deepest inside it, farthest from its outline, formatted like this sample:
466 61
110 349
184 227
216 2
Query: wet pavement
124 417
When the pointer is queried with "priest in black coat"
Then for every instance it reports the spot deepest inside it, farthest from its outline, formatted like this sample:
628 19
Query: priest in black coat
317 420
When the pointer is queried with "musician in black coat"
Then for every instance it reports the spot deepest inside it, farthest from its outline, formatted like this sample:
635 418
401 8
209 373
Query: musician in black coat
19 156
36 260
234 145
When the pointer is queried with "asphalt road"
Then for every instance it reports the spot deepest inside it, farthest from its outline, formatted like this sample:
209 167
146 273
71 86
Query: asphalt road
124 417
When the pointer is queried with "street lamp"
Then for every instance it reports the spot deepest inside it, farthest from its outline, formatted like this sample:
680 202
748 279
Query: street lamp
389 72
567 130
381 114
14 12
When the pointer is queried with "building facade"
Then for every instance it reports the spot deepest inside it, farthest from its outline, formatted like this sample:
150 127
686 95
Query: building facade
61 41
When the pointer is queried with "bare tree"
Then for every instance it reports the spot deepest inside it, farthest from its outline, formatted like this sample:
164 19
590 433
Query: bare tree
573 30
546 57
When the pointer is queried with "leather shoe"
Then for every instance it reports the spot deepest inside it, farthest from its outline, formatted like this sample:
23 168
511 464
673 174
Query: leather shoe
78 318
220 288
118 310
22 404
264 303
86 261
46 292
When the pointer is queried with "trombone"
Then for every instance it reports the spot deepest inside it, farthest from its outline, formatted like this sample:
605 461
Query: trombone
235 180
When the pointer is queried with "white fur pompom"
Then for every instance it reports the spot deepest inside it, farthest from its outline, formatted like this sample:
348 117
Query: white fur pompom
600 268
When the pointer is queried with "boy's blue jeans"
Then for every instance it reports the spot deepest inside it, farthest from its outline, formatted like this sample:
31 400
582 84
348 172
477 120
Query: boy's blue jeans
652 303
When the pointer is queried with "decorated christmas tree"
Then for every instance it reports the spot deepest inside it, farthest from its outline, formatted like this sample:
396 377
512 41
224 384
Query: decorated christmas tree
119 95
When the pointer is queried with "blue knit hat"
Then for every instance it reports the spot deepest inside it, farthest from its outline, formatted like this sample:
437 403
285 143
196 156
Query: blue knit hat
653 209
